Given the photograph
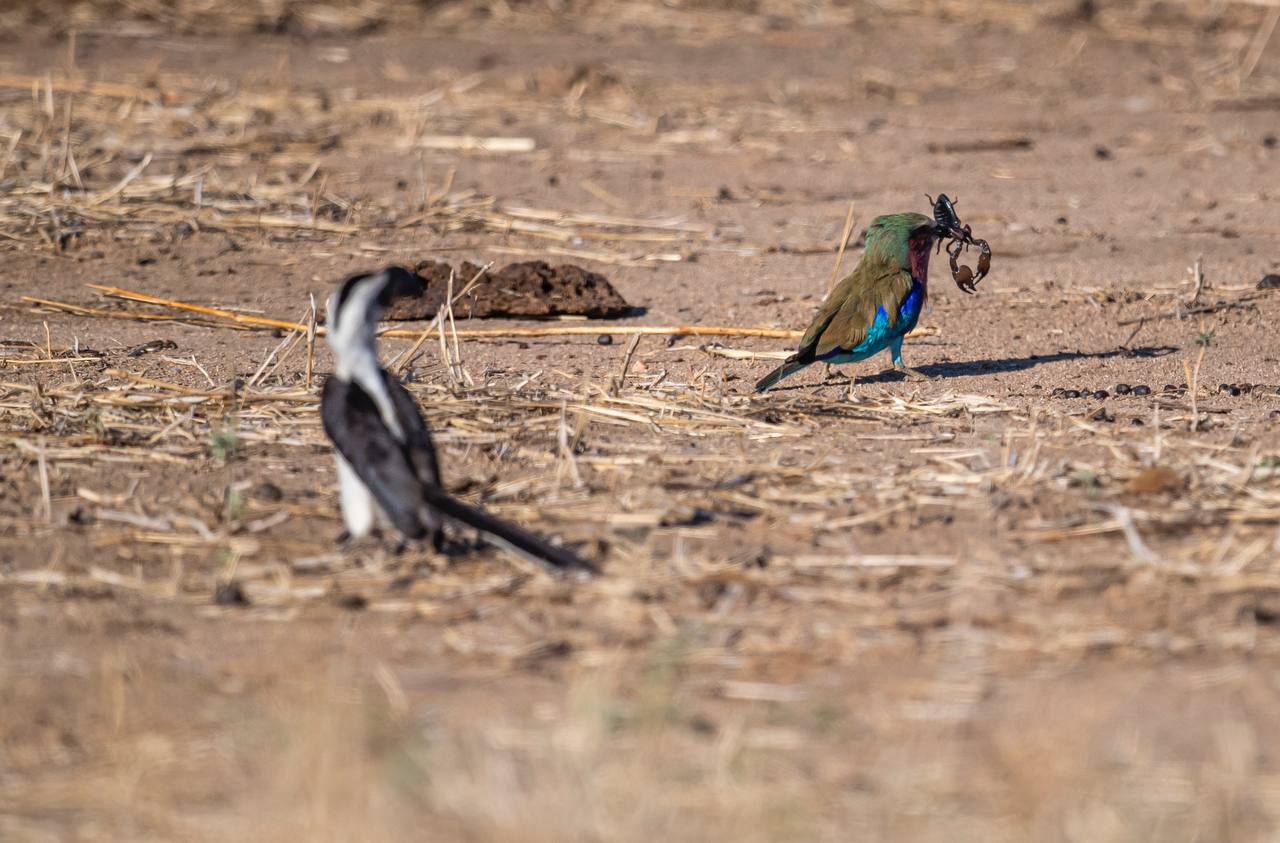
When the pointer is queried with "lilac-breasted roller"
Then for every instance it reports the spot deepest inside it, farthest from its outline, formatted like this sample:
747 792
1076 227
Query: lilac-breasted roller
875 306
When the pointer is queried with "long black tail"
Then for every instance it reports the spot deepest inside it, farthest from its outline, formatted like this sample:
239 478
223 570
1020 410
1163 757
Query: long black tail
506 534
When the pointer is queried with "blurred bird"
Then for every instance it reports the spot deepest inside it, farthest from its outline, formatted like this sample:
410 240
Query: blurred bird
874 307
387 467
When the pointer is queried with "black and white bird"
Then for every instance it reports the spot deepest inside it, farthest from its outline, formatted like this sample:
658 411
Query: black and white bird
387 466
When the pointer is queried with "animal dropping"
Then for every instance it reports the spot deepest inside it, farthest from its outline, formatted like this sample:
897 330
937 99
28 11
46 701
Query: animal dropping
533 289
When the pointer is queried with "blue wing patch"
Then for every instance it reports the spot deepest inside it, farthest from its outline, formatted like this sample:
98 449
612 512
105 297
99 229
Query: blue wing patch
880 334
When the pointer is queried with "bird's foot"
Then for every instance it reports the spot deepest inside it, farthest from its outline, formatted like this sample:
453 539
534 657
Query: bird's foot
912 374
849 393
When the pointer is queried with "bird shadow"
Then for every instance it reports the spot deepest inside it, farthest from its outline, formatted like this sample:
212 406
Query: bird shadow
974 368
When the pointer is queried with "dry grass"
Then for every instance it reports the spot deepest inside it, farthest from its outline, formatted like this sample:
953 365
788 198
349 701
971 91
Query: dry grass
685 738
105 415
929 613
83 159
626 752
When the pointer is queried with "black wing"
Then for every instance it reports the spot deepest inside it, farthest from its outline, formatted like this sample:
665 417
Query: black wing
353 423
417 438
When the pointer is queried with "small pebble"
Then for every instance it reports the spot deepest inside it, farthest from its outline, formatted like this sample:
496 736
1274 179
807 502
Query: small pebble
268 491
1270 141
1170 388
1102 153
604 339
1223 387
1123 389
1269 282
230 594
1142 389
1275 414
354 602
1233 391
1136 422
1057 392
1070 393
1101 415
1100 394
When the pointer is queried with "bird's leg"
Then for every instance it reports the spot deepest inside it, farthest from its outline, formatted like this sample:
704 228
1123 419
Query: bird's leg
895 349
848 390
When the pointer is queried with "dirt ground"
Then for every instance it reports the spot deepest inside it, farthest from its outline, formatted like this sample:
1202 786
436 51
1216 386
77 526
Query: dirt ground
966 609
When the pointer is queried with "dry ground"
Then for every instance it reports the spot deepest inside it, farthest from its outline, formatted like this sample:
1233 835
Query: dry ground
968 609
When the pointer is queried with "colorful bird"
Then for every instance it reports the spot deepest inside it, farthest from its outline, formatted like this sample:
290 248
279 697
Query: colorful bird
874 307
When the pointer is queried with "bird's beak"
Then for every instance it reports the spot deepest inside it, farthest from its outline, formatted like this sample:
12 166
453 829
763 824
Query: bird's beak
931 228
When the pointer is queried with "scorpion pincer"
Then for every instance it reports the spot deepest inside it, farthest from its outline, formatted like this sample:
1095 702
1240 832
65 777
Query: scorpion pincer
961 238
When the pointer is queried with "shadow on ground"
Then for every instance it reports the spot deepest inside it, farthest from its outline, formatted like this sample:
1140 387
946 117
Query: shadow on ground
977 368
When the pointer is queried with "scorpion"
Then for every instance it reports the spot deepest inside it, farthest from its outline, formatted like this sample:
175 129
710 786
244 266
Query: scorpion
960 237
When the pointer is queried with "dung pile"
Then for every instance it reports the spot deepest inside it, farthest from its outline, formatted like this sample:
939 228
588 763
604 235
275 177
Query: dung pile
532 289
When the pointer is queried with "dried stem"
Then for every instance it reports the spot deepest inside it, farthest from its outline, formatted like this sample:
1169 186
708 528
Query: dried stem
621 379
844 242
1197 274
311 341
246 321
404 360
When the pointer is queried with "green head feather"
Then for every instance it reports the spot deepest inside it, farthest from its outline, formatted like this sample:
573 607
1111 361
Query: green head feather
887 238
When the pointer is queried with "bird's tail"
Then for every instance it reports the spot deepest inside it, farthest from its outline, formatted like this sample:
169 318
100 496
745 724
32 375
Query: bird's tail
507 535
787 369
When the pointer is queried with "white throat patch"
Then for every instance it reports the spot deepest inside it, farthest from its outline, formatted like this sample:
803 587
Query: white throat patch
352 335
